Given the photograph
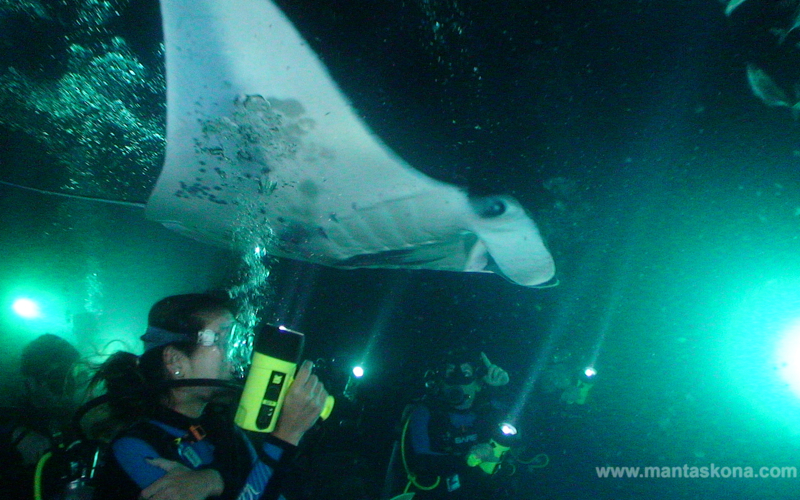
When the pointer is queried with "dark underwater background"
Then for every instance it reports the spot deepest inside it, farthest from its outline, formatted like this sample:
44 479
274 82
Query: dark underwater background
668 194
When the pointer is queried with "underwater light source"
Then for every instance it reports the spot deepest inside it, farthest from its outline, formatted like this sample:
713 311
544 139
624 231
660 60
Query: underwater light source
508 429
358 371
788 357
590 372
27 308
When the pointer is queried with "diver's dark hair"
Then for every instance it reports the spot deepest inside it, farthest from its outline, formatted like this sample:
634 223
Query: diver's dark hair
183 313
461 355
135 384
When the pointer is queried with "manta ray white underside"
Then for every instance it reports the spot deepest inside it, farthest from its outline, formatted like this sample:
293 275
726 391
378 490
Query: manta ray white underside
262 146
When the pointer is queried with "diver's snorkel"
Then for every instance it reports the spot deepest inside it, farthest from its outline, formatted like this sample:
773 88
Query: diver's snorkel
276 353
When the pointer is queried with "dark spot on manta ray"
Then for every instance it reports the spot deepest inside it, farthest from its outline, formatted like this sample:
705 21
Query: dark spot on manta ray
291 108
245 155
308 188
294 234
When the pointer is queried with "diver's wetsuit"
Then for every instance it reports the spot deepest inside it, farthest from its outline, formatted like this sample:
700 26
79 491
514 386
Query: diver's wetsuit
246 469
439 440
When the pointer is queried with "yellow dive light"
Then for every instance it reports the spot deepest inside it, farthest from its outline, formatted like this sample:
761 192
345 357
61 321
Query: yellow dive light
276 353
500 446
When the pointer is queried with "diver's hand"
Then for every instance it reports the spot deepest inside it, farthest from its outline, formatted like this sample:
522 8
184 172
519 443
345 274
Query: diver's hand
183 483
483 452
570 395
303 404
495 375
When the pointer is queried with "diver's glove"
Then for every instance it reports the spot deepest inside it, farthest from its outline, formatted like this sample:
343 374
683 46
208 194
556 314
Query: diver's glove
495 376
480 453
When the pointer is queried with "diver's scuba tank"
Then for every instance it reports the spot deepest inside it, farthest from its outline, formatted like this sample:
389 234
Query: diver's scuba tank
70 471
276 353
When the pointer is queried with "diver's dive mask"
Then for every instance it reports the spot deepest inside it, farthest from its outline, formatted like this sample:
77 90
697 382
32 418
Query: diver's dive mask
459 378
236 341
238 347
459 384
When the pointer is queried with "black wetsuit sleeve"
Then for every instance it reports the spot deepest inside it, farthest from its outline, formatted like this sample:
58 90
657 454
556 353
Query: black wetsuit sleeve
277 455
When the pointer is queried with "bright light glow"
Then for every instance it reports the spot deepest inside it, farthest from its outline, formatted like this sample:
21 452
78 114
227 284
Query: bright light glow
358 372
788 357
590 372
508 429
27 308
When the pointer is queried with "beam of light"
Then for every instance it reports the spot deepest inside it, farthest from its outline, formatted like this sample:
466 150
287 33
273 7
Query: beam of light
540 361
294 302
27 308
358 371
559 327
387 308
605 323
565 317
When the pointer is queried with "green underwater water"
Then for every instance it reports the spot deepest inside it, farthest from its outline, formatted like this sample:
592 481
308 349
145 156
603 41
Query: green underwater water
667 192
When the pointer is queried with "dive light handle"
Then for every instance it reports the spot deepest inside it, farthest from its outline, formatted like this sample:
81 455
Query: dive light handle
275 356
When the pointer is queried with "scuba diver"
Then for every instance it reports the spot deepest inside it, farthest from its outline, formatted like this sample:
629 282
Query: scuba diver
175 437
54 379
449 445
571 385
577 392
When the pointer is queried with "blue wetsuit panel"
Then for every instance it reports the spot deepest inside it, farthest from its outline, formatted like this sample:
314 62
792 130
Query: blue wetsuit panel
131 454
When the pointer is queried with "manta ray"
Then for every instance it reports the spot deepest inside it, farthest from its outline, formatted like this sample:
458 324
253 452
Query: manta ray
264 149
